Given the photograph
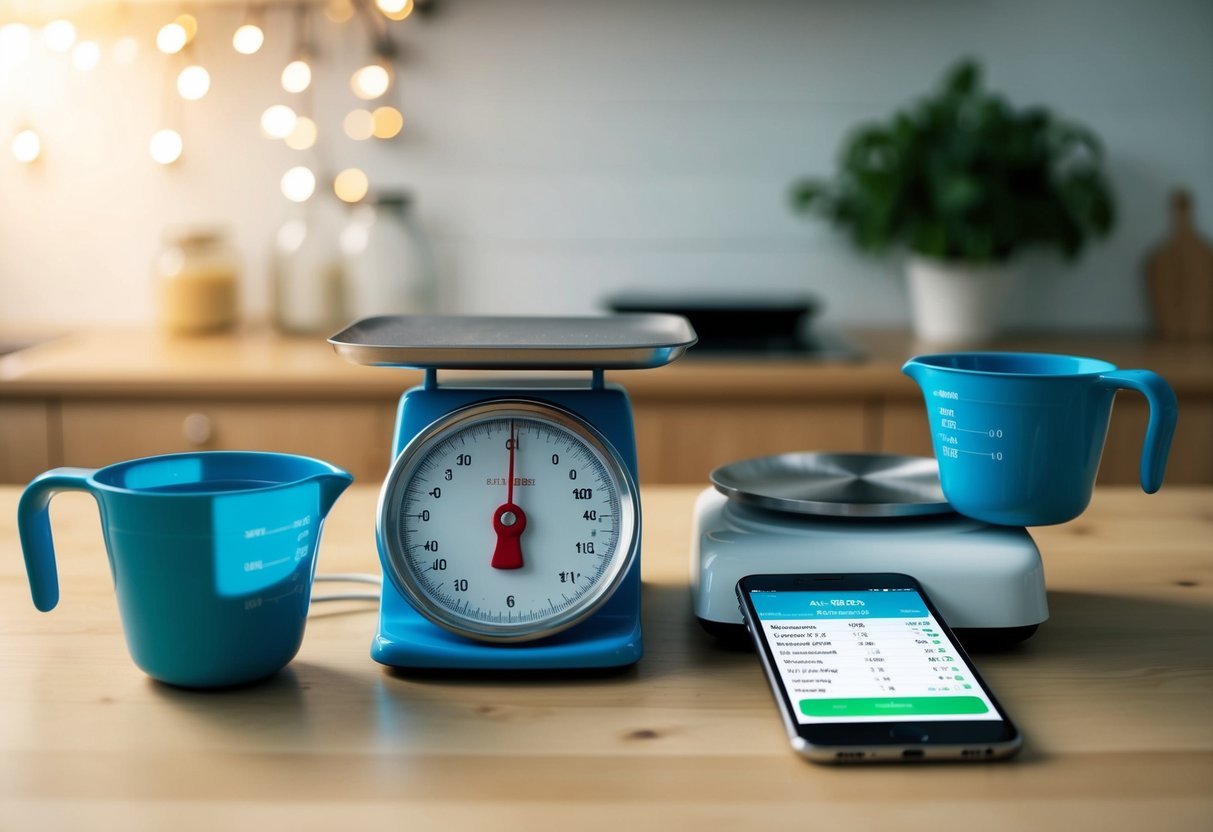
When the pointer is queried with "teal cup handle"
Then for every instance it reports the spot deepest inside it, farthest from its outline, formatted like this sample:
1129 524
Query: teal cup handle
34 529
1164 412
213 556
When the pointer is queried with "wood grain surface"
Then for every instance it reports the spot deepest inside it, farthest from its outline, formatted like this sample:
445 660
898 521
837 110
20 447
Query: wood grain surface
1114 694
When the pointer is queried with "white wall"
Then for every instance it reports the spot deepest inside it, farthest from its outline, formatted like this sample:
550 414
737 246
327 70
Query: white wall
562 151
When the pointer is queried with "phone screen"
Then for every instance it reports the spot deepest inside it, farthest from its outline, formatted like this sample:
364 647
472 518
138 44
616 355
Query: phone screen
876 655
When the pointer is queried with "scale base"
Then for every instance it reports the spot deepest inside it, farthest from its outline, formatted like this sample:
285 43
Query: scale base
987 581
408 641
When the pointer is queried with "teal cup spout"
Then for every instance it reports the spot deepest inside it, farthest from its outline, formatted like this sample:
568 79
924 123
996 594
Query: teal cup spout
1019 436
212 554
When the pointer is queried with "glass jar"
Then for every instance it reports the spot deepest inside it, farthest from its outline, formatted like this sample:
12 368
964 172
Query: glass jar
388 261
197 276
308 275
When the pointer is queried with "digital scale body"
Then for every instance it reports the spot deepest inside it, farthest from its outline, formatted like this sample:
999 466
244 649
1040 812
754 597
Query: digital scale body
509 523
843 513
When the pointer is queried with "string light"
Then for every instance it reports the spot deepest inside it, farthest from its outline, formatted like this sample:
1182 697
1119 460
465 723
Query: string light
371 81
395 9
86 55
339 11
298 184
297 76
359 125
26 146
125 50
165 146
188 24
193 82
248 38
171 38
388 122
351 185
15 41
59 35
278 121
303 136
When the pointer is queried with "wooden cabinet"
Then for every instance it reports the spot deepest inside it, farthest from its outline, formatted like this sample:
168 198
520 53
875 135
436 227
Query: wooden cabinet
354 436
94 398
682 443
25 440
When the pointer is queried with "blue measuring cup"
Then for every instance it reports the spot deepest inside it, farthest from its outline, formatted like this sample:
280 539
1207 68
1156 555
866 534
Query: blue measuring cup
212 555
1018 436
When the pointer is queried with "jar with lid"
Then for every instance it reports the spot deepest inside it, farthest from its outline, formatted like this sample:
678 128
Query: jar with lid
308 273
388 261
197 276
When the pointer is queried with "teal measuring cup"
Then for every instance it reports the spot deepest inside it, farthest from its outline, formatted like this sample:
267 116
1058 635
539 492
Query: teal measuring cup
212 556
1019 436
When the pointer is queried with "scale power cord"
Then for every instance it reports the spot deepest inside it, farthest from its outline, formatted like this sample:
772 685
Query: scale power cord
350 578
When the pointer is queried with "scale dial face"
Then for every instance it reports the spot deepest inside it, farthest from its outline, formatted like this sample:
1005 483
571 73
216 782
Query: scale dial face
508 521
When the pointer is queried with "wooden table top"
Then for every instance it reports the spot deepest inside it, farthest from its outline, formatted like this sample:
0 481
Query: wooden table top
1114 695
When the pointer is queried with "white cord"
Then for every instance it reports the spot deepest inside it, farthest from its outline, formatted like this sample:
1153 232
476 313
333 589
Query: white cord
350 578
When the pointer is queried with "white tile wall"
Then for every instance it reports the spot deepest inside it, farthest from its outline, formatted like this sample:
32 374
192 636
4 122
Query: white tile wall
562 151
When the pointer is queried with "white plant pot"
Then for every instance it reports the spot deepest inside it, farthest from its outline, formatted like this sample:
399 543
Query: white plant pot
957 303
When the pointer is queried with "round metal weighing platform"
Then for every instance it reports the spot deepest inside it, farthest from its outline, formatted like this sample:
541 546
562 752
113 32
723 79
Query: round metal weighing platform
836 485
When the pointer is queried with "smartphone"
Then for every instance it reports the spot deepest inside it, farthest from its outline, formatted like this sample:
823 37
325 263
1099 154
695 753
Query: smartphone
864 669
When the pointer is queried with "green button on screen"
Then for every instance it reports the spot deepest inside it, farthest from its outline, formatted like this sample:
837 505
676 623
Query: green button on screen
898 706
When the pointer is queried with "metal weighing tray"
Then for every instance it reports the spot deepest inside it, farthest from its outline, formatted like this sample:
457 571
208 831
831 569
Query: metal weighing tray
469 342
837 485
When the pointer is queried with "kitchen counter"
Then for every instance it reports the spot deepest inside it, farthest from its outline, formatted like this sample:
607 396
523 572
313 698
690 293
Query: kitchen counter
97 397
1114 695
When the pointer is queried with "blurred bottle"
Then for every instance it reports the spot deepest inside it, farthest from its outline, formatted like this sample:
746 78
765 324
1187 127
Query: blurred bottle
197 277
308 275
388 261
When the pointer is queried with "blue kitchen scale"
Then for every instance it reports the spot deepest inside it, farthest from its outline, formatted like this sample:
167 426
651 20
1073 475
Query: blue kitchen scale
509 523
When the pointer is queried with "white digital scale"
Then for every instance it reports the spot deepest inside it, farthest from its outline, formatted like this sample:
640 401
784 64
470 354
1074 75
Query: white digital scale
821 512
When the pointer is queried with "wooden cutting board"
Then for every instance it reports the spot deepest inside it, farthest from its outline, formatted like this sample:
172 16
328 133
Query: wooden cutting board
1179 276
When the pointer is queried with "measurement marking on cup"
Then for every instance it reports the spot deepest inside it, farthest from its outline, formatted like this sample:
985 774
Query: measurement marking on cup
997 455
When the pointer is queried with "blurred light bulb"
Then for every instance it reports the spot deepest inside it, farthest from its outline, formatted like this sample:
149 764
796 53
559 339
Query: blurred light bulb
165 146
248 39
193 82
296 76
171 38
395 9
59 35
303 136
371 81
351 185
339 11
298 184
388 122
26 146
125 50
86 55
278 121
15 41
188 24
291 236
359 124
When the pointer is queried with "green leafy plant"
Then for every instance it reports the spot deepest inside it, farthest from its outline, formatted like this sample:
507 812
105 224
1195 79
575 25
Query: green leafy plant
963 176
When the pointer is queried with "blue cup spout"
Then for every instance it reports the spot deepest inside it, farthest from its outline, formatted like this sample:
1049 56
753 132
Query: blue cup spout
332 485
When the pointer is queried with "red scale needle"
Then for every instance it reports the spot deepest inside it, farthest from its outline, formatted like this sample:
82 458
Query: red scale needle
509 521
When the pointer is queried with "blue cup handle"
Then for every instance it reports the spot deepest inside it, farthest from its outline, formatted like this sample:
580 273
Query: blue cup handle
34 528
1164 410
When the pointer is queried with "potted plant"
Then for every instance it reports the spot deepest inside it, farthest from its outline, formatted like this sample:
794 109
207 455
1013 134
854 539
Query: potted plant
963 182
